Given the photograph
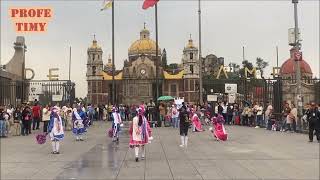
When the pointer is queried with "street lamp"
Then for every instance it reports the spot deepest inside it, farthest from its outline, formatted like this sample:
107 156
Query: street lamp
298 58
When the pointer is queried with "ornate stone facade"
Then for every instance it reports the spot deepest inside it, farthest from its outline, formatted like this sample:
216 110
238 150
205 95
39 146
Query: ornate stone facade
136 81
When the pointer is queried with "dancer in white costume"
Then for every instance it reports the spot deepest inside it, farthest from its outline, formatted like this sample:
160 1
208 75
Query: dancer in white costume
55 129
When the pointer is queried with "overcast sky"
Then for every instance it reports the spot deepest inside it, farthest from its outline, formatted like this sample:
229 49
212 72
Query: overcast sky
259 26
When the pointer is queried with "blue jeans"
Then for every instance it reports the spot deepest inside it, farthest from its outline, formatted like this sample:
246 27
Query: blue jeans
259 120
3 128
175 122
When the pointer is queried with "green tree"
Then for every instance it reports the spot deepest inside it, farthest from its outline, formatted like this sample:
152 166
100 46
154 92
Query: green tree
261 65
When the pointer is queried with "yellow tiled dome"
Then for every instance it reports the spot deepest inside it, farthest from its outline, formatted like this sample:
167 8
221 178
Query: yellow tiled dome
144 45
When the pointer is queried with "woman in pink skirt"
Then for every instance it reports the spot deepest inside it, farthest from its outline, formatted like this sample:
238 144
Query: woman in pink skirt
196 123
139 133
219 132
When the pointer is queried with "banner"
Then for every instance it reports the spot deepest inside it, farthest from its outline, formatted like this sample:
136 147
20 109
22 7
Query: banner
230 88
56 98
212 98
35 88
33 97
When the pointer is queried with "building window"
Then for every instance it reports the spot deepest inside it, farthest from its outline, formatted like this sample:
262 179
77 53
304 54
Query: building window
191 85
191 55
93 70
98 56
93 56
94 87
191 69
173 90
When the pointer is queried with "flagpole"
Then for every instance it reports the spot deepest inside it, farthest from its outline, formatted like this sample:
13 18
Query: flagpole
113 55
200 58
157 61
69 82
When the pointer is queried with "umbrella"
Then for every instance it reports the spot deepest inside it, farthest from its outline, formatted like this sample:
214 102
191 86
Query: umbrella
165 98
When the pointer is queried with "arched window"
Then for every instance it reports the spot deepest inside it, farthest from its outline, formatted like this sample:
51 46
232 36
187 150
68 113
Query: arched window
191 55
93 70
93 56
191 69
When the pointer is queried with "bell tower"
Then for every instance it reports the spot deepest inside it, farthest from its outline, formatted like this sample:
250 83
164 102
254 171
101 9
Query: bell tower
94 73
190 60
191 76
94 61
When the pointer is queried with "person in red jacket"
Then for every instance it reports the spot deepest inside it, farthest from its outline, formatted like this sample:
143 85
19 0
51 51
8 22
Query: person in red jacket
36 114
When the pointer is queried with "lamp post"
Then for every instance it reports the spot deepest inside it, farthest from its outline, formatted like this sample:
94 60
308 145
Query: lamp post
200 57
297 47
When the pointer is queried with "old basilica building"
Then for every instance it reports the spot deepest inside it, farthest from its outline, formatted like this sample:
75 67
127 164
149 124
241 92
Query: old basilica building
136 81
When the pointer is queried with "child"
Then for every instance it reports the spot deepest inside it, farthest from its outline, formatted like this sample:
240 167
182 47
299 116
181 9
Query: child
55 129
219 131
139 135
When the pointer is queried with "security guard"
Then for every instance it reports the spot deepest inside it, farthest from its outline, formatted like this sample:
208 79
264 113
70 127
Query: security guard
313 118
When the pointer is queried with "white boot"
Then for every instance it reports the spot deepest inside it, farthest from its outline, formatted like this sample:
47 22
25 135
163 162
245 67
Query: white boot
57 146
186 141
143 152
53 143
182 141
136 152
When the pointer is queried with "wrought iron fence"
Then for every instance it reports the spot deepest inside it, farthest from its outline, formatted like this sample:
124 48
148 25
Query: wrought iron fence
46 92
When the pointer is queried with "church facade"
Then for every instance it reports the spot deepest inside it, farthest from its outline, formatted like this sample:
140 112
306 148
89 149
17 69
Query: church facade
136 81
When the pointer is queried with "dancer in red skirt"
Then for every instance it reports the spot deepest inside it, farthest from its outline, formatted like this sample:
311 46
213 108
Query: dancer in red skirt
139 133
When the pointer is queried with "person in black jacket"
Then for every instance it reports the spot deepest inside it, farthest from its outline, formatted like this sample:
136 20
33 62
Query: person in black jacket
184 125
313 117
26 120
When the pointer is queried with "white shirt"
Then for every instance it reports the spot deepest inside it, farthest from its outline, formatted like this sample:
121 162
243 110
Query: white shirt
116 118
259 110
45 114
224 109
269 108
176 114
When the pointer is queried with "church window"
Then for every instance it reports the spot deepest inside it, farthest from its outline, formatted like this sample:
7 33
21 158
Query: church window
173 90
191 55
144 36
98 57
94 87
192 85
191 69
93 56
93 70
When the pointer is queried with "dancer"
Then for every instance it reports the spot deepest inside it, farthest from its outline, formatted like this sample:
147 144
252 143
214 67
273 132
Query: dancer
79 127
196 123
184 125
219 132
116 124
139 135
55 129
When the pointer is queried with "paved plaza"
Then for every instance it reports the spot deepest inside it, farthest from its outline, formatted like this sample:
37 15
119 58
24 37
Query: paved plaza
248 154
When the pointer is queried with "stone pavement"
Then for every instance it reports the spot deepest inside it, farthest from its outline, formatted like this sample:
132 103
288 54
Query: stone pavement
248 154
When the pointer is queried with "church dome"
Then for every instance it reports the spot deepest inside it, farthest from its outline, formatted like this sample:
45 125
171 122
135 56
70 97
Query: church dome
94 44
144 45
289 68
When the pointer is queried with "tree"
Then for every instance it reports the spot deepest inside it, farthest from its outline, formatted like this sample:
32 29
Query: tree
261 65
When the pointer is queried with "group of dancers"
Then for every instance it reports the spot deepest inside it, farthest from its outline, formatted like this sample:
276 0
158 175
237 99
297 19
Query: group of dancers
139 130
55 126
188 115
